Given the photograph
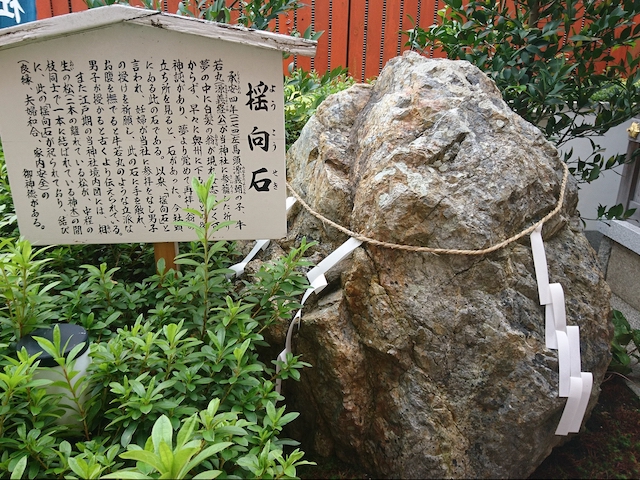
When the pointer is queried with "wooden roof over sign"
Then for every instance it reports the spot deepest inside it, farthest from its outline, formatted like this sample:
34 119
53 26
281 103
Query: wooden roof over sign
73 23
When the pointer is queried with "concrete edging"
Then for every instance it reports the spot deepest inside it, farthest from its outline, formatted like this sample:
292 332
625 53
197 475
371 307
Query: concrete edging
622 232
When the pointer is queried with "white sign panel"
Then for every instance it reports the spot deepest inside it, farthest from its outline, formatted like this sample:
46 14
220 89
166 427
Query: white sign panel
104 130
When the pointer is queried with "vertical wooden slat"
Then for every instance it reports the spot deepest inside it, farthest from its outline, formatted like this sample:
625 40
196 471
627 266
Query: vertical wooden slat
410 9
427 13
285 26
302 21
635 51
365 39
43 9
400 27
435 52
418 17
235 14
172 6
78 6
312 24
294 27
347 41
423 14
356 39
60 7
322 23
393 40
376 11
621 53
338 41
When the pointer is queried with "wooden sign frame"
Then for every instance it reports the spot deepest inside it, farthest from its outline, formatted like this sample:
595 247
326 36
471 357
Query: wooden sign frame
149 29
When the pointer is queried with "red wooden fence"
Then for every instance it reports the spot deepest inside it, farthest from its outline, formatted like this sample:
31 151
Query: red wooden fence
358 34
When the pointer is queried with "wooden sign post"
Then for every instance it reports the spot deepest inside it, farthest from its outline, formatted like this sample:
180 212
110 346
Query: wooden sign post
167 251
108 114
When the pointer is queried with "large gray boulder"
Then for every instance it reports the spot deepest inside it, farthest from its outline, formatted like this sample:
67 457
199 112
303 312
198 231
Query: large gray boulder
435 365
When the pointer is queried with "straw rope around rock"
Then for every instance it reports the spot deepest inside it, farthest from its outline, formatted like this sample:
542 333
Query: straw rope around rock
443 251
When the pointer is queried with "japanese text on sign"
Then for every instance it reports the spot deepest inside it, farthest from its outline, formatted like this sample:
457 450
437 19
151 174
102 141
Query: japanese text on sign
113 143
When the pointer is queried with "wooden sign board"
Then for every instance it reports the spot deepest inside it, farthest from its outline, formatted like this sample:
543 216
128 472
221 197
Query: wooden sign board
104 128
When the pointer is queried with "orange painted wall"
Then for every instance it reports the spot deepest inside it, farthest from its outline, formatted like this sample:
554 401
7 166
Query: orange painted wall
361 35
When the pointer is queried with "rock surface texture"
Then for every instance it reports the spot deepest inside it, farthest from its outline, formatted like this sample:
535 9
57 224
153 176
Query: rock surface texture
433 366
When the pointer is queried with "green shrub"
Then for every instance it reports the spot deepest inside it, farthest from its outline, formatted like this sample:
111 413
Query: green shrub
253 14
24 290
625 344
8 218
256 14
177 386
177 351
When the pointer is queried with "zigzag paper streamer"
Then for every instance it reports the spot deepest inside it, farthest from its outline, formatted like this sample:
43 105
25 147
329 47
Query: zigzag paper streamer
316 276
558 307
576 404
317 282
238 268
540 265
573 384
282 356
564 364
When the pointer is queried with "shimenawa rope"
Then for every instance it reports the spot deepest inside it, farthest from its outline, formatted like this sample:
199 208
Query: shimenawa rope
445 251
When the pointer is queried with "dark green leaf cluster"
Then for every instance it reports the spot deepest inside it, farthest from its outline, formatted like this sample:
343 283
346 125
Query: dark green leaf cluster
624 348
27 302
258 14
8 218
617 212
